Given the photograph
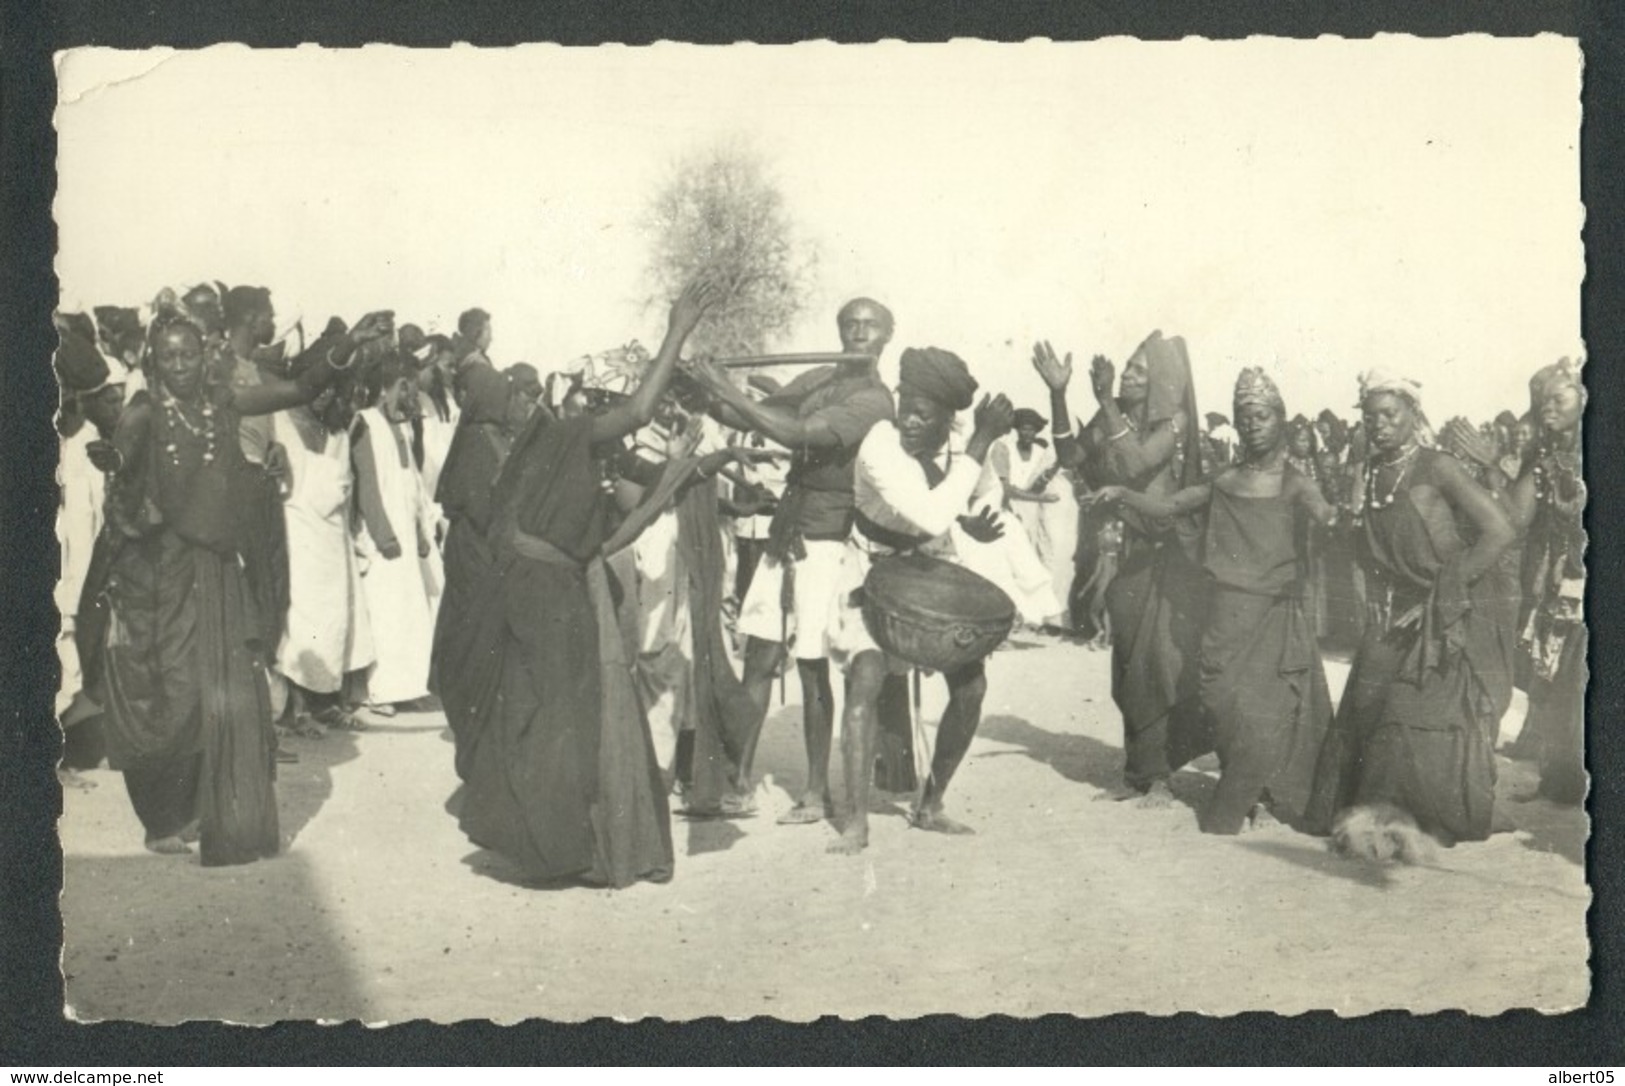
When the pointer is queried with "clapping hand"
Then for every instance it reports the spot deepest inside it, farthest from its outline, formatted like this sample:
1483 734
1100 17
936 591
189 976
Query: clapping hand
984 527
1056 374
1102 377
1467 443
995 417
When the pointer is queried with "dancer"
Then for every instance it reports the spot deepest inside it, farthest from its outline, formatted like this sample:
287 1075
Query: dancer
1262 682
557 757
1144 437
188 713
1549 501
1412 747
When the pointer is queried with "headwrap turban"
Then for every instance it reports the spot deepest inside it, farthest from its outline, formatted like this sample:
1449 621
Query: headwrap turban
1381 380
937 375
1255 389
1546 381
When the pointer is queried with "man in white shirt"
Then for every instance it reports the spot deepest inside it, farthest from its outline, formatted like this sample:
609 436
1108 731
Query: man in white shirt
910 496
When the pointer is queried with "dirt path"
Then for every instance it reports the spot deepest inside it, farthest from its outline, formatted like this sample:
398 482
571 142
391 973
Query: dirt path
381 910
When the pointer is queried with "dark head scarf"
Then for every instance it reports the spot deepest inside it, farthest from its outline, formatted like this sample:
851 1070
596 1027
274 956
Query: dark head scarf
1026 416
1170 390
240 303
79 366
937 375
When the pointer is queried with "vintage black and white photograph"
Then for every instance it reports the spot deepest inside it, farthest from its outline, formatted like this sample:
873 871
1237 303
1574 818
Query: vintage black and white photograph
896 529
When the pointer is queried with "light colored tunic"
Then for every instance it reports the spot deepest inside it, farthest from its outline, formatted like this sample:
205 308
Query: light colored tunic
328 631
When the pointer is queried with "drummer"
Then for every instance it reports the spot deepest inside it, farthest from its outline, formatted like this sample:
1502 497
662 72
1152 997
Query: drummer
913 497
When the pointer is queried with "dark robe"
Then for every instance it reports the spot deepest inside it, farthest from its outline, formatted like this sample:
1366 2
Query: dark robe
1554 642
724 715
1263 684
1155 600
187 709
1417 724
478 450
554 749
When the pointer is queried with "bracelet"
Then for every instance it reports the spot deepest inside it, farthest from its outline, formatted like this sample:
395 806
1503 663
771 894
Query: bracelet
1124 432
1060 434
332 365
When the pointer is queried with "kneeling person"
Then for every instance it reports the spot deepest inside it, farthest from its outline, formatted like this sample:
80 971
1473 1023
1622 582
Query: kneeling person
911 495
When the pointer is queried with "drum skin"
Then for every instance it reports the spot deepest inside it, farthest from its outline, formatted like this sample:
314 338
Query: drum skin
934 614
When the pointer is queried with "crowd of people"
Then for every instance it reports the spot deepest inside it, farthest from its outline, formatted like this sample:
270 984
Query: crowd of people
601 578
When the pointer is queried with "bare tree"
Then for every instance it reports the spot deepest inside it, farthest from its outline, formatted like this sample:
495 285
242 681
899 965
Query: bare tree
721 213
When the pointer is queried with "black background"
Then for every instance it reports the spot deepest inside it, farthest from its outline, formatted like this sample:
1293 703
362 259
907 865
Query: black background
32 1031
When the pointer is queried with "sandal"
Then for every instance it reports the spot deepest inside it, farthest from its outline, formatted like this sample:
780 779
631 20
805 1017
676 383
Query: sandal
728 807
336 719
803 814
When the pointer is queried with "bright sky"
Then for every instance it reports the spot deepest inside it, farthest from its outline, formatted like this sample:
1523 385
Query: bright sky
1315 207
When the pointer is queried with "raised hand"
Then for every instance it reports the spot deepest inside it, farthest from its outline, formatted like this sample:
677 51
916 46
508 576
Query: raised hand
1102 377
1055 373
995 417
984 527
700 295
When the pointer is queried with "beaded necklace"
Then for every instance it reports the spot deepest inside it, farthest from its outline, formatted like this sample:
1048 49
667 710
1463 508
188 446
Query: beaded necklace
175 414
1402 464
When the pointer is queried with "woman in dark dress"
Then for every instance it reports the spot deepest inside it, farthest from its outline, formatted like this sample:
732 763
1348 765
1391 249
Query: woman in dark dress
485 431
554 749
188 711
1144 437
1263 687
1412 746
1549 499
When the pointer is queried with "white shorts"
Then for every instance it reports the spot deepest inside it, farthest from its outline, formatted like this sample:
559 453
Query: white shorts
816 577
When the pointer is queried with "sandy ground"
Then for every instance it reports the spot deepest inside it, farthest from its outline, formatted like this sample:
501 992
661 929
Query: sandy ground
380 910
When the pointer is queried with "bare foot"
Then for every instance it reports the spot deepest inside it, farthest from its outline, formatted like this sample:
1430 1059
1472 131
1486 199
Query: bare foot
190 832
853 840
937 822
1157 797
168 846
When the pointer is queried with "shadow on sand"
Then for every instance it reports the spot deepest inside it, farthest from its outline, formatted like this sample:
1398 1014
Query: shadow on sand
1084 760
303 787
1317 857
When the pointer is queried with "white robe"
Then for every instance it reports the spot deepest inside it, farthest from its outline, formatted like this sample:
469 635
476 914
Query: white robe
78 522
397 591
328 631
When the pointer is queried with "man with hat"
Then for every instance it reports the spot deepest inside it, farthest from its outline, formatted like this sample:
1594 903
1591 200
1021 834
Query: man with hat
912 496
